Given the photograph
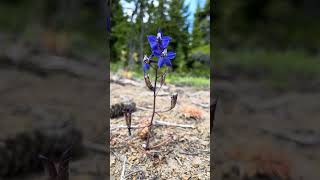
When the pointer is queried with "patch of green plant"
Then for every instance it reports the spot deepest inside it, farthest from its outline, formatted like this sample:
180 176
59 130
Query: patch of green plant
276 67
177 78
204 49
189 80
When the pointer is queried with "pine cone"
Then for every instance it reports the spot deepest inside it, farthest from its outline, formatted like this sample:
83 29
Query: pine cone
143 132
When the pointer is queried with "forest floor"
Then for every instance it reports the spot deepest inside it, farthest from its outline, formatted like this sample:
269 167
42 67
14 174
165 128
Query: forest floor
262 133
78 97
185 153
51 90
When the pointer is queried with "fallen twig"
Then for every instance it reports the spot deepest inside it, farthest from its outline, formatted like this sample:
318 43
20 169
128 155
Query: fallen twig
310 140
122 177
189 153
194 153
164 123
159 123
128 175
95 147
177 159
142 108
162 143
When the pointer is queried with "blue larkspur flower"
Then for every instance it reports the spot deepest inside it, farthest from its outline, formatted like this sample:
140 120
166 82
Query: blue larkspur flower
165 58
159 46
158 43
146 62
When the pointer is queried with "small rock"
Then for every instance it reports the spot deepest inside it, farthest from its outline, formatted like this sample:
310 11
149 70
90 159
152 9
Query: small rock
185 177
196 162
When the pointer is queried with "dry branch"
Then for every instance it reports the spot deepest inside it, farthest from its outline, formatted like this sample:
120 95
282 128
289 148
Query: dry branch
123 168
95 147
159 123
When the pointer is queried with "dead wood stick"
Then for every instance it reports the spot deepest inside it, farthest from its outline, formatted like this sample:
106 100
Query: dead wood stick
95 147
177 159
122 177
300 140
194 153
128 175
144 109
159 123
164 123
162 143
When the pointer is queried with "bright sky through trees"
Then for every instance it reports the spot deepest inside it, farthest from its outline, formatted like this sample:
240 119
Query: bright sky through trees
128 9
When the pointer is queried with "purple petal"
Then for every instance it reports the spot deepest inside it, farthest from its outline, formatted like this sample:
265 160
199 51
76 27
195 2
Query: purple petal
168 62
161 61
157 52
145 67
171 55
165 41
152 41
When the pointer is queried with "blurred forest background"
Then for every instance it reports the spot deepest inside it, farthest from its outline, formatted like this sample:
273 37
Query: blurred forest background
70 28
52 53
129 37
273 40
267 77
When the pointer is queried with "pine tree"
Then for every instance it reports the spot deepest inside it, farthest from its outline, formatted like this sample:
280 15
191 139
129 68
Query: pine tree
205 22
118 30
197 34
178 29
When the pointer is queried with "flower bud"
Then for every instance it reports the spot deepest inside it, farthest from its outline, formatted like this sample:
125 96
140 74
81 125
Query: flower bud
146 60
163 78
148 82
174 98
159 35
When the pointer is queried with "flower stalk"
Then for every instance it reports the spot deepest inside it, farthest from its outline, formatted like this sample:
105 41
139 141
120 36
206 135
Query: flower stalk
153 110
159 46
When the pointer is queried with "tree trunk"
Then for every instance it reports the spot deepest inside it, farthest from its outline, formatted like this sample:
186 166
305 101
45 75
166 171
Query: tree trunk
141 31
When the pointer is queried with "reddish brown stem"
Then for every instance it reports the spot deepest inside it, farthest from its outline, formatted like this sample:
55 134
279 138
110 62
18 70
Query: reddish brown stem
154 108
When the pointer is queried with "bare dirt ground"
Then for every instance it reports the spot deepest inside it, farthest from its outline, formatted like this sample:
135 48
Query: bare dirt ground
186 153
29 90
260 132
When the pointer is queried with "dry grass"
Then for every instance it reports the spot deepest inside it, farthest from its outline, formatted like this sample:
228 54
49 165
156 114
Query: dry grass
192 112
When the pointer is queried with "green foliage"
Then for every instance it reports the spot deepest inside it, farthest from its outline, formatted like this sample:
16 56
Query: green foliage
178 30
269 24
204 49
188 79
196 32
119 32
201 28
177 78
280 68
